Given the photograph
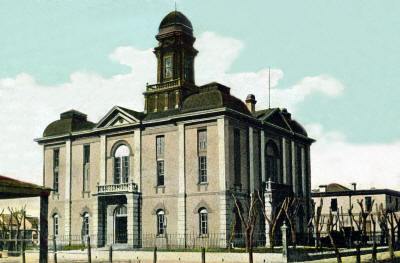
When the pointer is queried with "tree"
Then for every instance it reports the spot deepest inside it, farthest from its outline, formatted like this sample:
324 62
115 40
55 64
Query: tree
331 224
364 214
317 221
271 219
248 221
291 206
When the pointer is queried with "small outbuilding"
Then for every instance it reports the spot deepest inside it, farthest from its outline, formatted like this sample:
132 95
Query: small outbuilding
11 189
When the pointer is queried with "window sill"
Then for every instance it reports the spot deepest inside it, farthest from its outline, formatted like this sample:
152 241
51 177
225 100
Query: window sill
202 183
203 235
159 188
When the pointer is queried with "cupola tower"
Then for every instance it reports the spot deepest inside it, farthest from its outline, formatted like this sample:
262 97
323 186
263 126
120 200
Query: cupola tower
175 64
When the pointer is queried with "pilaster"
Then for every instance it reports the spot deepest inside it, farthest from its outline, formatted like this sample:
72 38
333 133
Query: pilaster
137 173
67 192
103 159
262 155
251 159
284 162
223 161
133 228
181 184
293 149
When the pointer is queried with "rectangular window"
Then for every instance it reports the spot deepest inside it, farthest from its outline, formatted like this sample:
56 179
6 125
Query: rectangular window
160 144
368 203
160 147
85 225
202 169
55 225
161 223
237 157
160 173
168 67
86 167
203 223
334 205
56 163
202 140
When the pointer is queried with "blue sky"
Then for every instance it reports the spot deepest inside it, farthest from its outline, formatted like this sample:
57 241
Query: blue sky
356 43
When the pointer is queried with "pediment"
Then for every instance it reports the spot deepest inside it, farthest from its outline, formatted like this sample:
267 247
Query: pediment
117 116
277 119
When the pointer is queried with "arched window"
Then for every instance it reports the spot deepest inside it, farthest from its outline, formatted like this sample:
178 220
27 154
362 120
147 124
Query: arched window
272 162
203 221
161 222
121 164
85 224
55 224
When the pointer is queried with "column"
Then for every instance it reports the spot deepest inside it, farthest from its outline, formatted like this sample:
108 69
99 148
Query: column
223 161
44 207
133 231
137 173
262 156
67 197
251 159
284 163
103 159
181 185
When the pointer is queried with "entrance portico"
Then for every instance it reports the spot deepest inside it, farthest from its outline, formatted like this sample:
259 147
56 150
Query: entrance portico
117 219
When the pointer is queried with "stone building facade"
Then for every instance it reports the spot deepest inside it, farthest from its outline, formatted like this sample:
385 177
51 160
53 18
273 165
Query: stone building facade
172 168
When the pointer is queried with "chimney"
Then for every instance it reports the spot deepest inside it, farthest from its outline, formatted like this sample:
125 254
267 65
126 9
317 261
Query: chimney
354 186
251 103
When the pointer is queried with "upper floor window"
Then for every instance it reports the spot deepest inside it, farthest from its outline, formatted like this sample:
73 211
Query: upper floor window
161 222
55 224
188 68
56 164
334 205
203 221
160 147
272 161
202 169
202 140
86 167
299 169
121 164
237 157
85 224
168 67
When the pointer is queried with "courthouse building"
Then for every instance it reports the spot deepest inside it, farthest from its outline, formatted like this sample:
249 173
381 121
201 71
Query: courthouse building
171 168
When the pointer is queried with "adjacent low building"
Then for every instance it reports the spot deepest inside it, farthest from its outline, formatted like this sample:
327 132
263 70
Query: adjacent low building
339 199
173 167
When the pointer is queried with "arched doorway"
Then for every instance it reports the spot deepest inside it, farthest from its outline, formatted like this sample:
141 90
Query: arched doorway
120 225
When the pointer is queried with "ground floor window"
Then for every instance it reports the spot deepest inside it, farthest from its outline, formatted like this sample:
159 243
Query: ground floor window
161 222
203 221
55 225
85 224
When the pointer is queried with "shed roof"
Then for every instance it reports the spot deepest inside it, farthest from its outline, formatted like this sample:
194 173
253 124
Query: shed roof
12 188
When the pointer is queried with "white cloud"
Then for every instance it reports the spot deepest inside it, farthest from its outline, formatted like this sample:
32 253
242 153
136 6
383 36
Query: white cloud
334 159
27 106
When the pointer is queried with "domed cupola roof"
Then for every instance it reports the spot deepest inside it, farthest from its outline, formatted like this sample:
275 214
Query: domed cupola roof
175 21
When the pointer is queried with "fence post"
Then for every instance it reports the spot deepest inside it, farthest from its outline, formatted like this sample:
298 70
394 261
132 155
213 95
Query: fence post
89 250
374 259
284 242
155 255
358 254
110 254
203 255
55 249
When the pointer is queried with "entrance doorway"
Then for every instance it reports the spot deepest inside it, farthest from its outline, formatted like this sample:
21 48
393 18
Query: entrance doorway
120 225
